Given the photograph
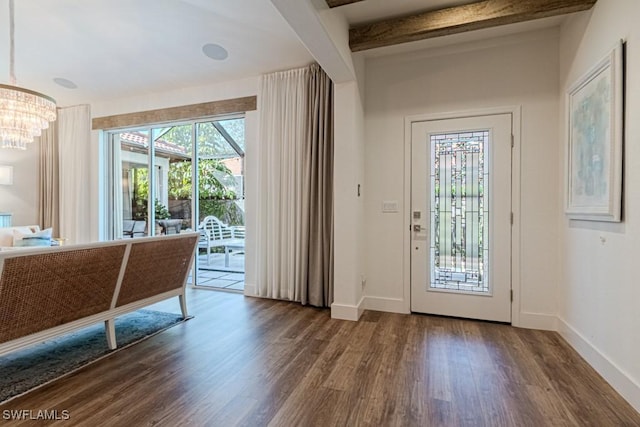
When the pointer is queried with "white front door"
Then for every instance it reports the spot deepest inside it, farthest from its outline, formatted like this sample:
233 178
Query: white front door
461 217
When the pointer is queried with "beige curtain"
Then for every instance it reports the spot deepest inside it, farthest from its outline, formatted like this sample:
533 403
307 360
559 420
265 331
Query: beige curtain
49 188
319 289
295 198
281 233
74 144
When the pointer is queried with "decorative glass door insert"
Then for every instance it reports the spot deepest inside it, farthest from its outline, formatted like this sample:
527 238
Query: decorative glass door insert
459 212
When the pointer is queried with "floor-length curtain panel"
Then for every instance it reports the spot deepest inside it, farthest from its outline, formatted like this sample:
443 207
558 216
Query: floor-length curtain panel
295 216
74 130
319 288
282 232
49 196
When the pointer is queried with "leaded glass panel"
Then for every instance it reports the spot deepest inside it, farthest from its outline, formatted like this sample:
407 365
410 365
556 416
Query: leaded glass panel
459 212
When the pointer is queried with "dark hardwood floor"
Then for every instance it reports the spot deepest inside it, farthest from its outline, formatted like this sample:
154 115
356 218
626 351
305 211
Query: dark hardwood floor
252 362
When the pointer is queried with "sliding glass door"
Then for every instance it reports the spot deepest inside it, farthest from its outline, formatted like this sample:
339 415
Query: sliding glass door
197 171
221 202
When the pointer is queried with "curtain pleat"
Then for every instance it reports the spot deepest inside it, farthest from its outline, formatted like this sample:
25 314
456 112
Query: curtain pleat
280 231
295 199
320 137
48 207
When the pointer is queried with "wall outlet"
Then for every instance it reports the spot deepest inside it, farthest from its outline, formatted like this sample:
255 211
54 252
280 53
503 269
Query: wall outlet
363 280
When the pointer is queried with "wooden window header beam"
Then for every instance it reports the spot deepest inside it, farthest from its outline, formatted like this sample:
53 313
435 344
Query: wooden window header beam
458 19
174 114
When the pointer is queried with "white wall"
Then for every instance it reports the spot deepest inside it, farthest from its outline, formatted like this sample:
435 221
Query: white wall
520 70
599 300
349 252
21 198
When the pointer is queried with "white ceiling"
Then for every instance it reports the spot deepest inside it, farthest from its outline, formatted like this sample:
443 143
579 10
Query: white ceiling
117 48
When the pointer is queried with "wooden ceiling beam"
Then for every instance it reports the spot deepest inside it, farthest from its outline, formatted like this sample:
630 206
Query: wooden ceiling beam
336 3
458 19
173 114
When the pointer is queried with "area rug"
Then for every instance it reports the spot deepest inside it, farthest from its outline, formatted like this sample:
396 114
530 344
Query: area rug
40 364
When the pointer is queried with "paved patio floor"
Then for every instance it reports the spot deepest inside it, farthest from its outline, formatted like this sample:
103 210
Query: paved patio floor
216 275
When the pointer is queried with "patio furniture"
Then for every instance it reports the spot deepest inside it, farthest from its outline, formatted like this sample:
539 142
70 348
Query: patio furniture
170 226
215 233
134 227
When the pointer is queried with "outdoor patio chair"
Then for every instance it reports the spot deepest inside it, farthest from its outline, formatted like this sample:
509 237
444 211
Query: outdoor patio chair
215 233
133 228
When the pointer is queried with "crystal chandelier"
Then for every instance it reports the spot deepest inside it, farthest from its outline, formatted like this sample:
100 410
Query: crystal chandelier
23 112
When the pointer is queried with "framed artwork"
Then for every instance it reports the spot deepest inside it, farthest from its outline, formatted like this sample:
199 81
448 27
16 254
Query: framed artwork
594 170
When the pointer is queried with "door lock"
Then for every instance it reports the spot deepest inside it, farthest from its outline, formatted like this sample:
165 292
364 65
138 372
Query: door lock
417 228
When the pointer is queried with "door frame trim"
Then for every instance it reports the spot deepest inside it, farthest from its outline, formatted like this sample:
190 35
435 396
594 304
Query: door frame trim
516 112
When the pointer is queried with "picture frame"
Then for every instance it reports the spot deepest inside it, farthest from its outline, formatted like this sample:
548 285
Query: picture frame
594 149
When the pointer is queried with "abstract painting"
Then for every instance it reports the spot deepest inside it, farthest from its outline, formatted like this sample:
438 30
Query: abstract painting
594 174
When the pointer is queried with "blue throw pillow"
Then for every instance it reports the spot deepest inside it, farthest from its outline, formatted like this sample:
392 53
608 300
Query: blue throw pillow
40 238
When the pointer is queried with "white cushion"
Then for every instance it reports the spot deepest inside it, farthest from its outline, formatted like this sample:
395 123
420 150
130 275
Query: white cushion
6 233
39 238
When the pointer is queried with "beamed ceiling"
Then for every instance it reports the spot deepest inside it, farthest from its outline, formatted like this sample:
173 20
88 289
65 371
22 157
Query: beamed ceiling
114 49
336 3
452 20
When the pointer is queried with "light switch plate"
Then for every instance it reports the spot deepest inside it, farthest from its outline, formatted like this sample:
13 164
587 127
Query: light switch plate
390 206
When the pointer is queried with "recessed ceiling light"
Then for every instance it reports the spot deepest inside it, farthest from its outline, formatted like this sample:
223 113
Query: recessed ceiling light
65 83
215 51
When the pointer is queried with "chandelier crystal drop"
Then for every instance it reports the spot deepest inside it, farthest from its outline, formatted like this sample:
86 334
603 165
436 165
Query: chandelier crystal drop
23 115
23 112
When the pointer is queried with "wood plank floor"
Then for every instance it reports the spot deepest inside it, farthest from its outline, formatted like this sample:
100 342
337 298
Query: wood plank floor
252 362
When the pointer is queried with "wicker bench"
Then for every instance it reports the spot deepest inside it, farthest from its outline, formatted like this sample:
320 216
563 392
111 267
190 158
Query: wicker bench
46 292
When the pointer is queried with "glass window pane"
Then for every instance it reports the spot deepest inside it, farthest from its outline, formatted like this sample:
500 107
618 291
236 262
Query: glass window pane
459 215
131 183
235 128
174 149
212 144
220 174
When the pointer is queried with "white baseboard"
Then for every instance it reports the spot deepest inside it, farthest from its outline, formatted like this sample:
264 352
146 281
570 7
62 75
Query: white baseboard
545 322
615 376
390 305
347 312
